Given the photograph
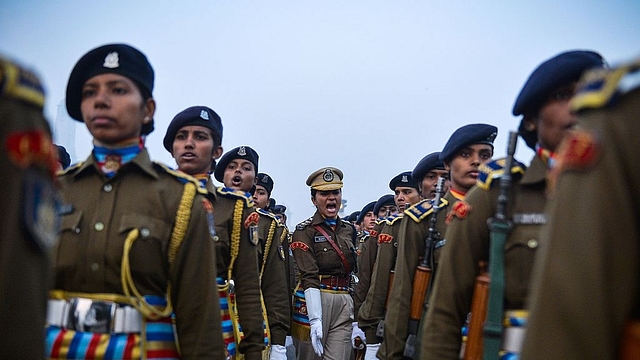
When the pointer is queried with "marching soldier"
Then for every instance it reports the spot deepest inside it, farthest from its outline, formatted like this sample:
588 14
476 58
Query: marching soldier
262 194
468 147
323 248
238 169
194 139
30 220
584 296
406 193
543 103
136 250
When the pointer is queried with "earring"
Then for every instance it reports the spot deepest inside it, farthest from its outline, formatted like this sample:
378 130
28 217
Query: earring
146 120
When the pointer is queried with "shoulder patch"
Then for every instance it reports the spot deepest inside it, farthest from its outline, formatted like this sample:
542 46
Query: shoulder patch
252 219
579 151
494 169
600 88
180 176
420 210
384 238
304 224
460 210
230 193
299 245
373 233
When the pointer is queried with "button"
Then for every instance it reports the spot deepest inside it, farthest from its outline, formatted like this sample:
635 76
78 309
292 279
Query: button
532 243
99 226
145 232
107 188
324 249
77 230
95 267
216 238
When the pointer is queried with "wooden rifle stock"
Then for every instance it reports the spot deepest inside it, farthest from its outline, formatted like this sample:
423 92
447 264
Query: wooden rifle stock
473 349
359 353
420 284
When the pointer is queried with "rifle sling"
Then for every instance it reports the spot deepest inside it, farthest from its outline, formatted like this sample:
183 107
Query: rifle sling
335 247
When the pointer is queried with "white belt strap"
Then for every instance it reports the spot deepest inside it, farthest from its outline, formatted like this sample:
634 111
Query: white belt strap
512 339
125 319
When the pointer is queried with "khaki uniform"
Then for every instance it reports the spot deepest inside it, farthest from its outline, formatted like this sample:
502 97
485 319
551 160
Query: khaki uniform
411 248
101 213
232 210
316 258
468 243
373 309
368 248
26 236
587 282
273 258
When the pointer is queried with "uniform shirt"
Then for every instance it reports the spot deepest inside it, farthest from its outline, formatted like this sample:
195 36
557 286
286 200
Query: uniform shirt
315 256
276 293
468 243
142 195
366 260
411 248
245 272
373 309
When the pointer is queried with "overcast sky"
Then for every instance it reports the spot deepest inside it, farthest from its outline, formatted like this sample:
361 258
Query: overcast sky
369 86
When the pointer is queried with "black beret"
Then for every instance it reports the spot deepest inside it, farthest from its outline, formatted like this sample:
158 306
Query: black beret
353 217
364 211
468 135
63 157
279 209
403 179
120 59
265 181
383 201
241 152
195 115
560 70
426 164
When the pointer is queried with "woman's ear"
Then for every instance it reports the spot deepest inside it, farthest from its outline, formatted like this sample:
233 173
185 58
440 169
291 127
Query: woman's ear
149 110
530 123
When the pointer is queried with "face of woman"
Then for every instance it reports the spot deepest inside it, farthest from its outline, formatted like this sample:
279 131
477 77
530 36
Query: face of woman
328 202
239 175
194 150
113 109
464 165
261 197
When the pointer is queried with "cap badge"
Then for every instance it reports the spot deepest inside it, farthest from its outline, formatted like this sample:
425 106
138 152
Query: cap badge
492 136
112 60
204 114
242 151
404 179
328 175
265 179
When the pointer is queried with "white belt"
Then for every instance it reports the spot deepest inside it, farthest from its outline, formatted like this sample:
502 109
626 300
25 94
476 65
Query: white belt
97 316
512 339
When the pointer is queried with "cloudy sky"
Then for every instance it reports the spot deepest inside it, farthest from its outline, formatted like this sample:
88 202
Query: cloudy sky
369 86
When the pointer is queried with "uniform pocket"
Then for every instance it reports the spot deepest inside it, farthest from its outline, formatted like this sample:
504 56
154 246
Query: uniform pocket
519 254
152 243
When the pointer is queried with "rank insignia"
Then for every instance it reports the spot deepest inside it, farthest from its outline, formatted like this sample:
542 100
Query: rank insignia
384 238
252 219
208 209
299 245
460 210
281 252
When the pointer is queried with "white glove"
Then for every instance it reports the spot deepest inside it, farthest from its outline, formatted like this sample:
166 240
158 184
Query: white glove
372 350
288 341
314 311
356 332
278 352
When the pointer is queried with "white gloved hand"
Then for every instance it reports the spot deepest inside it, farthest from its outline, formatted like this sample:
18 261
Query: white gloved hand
314 311
278 352
372 350
356 332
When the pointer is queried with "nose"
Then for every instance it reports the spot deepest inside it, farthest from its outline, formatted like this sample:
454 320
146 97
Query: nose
101 99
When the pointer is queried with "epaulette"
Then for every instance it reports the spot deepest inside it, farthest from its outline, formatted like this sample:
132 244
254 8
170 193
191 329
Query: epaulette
20 84
494 169
394 218
271 215
181 177
235 194
421 210
381 221
70 169
304 224
601 88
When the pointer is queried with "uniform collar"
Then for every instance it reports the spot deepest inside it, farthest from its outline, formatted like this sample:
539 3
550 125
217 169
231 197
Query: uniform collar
536 172
141 161
318 219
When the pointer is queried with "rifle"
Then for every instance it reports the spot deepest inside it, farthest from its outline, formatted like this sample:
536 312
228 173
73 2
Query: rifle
500 227
473 347
422 276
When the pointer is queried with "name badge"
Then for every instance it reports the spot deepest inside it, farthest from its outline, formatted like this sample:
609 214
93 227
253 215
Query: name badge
530 218
318 239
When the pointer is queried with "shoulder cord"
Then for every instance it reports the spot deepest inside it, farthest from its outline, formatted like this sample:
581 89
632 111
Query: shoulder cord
177 236
267 246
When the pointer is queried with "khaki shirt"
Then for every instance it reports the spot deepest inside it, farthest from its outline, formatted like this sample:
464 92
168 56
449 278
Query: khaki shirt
586 284
468 244
411 248
142 195
246 271
25 266
368 248
276 292
315 256
373 309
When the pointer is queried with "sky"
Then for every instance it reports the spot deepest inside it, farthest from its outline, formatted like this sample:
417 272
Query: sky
369 87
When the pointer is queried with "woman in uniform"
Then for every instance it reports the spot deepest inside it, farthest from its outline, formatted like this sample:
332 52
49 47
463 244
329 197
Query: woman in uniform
323 249
134 270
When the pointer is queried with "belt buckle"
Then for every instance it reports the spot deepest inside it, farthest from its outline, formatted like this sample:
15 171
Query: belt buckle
91 315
